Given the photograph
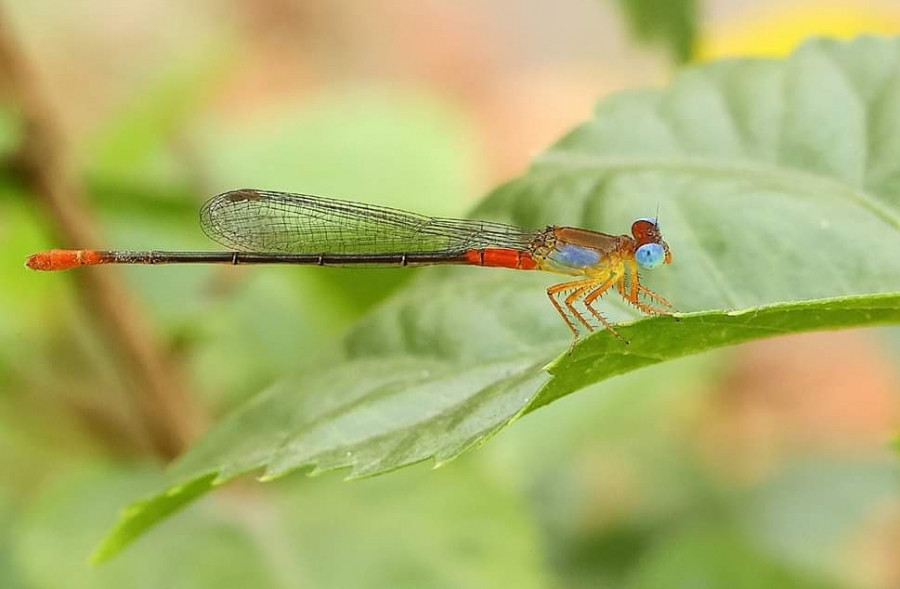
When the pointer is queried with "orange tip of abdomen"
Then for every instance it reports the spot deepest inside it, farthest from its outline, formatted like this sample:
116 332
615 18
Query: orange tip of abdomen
62 259
39 261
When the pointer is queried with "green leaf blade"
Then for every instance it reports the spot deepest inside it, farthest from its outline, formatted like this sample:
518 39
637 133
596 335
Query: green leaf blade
660 339
493 396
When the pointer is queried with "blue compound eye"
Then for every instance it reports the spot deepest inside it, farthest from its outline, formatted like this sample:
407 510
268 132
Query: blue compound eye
650 255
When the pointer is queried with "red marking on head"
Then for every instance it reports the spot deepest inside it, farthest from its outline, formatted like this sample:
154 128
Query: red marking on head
645 231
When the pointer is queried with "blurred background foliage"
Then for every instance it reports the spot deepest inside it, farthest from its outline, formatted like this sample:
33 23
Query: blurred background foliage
719 471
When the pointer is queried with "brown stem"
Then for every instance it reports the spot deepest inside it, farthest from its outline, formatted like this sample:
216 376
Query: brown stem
167 411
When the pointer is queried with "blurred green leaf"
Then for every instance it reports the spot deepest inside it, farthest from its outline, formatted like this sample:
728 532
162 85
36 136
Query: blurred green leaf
456 529
10 577
400 149
136 146
405 149
205 548
774 189
710 556
23 301
820 498
609 472
629 409
451 528
672 23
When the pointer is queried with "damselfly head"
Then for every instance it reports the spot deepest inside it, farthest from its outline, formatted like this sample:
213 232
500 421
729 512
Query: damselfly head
650 250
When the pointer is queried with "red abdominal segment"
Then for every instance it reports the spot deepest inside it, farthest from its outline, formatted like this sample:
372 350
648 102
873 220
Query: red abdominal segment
501 258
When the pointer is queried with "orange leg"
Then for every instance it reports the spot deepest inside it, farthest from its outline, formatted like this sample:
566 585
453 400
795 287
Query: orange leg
577 286
633 295
570 303
655 297
638 288
597 293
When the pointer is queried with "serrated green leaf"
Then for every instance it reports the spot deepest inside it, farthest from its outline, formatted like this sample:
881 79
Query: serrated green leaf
779 185
369 415
373 416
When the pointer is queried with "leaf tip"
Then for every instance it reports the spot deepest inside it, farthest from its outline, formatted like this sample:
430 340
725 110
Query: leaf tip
101 554
138 517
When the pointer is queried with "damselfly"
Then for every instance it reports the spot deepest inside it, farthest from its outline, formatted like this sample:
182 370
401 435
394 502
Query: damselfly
261 227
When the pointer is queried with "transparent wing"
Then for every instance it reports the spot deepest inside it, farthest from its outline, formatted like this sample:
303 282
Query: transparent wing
261 221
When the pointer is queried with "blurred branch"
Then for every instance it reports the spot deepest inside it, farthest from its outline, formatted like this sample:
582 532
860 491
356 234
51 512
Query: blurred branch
168 413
